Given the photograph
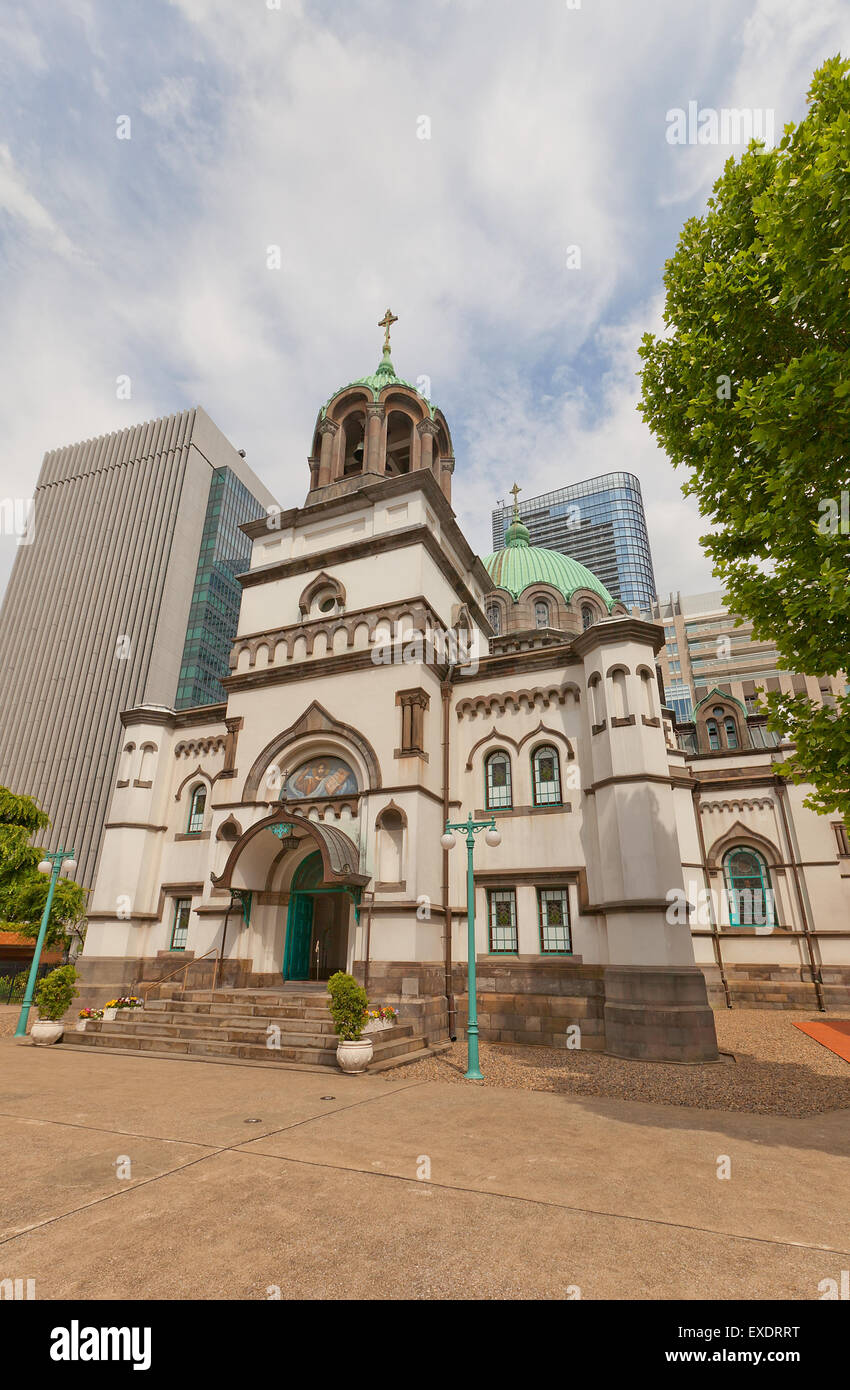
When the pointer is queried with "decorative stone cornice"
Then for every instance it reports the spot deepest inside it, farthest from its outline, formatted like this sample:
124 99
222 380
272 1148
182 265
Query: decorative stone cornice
536 697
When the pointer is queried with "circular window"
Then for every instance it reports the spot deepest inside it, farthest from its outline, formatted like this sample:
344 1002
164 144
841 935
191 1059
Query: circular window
718 711
326 604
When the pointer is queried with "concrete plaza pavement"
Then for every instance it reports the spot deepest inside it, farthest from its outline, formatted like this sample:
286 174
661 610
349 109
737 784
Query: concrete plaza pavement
524 1195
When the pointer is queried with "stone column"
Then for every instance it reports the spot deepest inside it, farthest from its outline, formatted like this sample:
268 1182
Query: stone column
447 468
427 431
328 431
374 422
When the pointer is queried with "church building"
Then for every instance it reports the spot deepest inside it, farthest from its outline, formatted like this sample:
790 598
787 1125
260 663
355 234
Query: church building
384 680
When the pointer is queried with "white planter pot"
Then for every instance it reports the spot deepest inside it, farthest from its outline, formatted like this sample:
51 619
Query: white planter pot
354 1057
377 1025
108 1015
44 1032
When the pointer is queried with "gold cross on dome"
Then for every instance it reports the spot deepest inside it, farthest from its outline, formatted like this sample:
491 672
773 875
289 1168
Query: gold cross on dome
386 323
515 491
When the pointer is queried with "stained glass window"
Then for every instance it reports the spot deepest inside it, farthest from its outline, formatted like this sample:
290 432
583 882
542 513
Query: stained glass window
498 781
554 908
547 777
503 933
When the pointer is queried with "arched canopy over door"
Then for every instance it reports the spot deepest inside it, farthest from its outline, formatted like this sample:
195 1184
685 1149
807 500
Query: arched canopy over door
339 854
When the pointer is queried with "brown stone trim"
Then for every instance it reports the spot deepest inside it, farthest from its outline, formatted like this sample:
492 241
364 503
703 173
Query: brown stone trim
554 658
411 753
392 540
146 785
537 878
314 720
651 723
341 663
409 788
522 810
405 909
125 783
384 487
140 917
623 723
391 887
628 777
618 630
198 772
174 719
133 825
597 728
199 835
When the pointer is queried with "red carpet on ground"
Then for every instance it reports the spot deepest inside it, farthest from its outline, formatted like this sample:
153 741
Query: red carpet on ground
835 1036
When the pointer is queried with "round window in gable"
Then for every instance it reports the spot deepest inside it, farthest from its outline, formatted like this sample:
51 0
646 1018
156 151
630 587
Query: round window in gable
326 605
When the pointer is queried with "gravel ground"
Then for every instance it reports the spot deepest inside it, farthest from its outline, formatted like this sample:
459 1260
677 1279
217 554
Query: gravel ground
9 1015
777 1069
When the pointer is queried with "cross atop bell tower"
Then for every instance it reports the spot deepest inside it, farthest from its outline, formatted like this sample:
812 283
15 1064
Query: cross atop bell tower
386 323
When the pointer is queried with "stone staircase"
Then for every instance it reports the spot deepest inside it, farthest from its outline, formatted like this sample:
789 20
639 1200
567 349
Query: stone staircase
287 1027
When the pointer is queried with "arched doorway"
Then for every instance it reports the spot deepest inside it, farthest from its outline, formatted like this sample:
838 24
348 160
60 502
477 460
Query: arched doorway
316 924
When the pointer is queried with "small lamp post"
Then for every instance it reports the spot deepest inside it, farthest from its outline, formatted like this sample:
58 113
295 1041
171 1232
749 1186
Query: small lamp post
52 862
471 827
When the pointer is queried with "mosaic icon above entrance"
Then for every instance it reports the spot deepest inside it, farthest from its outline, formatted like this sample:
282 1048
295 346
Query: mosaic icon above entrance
325 776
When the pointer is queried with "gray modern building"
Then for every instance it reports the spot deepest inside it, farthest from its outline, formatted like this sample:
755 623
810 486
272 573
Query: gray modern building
599 522
127 595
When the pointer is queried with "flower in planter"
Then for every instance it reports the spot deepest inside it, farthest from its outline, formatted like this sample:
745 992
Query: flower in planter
91 1013
384 1014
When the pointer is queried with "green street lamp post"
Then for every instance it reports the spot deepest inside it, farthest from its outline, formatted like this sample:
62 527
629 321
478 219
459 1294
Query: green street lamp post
471 827
52 862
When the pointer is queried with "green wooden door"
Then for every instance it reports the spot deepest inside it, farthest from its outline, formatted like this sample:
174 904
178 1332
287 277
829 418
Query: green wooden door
299 922
299 931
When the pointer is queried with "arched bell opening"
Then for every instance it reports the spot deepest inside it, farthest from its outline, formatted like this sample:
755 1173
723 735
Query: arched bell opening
399 446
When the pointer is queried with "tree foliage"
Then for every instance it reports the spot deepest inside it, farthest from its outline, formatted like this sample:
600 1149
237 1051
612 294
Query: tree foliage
23 890
749 389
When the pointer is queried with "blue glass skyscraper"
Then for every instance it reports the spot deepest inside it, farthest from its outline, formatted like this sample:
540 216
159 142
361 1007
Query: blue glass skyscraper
599 522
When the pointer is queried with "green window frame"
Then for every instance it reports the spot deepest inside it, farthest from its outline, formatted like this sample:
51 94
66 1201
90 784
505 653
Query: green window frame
499 795
502 920
197 810
553 910
748 888
713 734
180 924
546 775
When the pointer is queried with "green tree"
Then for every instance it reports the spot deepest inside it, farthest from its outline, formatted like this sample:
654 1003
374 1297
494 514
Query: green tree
23 890
749 389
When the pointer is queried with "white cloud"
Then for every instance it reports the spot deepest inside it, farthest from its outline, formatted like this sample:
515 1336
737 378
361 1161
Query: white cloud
254 127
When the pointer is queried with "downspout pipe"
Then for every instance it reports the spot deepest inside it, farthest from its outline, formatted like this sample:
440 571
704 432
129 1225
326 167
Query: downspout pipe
445 692
715 932
793 860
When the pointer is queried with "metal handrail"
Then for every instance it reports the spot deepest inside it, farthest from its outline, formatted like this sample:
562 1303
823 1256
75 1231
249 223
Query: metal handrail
184 968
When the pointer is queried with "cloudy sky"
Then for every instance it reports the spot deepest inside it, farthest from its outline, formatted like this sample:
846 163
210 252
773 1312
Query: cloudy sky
300 127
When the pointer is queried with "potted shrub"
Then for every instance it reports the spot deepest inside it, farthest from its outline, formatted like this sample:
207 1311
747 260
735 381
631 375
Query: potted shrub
53 998
380 1019
348 1011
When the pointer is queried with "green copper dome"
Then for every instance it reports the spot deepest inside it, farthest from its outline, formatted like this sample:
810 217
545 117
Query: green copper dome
521 564
384 375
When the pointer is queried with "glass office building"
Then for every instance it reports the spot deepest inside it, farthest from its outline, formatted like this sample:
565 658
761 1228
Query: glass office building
214 613
599 522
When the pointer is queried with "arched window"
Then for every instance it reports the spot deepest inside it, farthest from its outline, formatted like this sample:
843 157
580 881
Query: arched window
494 618
647 684
749 893
547 776
399 442
587 617
498 768
353 443
197 807
541 613
731 732
713 733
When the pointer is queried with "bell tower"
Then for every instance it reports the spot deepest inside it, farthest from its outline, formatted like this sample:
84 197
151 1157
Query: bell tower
378 427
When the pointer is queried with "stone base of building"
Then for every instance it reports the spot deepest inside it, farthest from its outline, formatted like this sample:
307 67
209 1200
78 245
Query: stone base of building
654 1015
658 1014
777 987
